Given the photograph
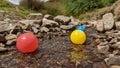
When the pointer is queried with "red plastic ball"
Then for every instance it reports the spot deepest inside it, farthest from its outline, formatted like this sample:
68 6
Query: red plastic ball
27 42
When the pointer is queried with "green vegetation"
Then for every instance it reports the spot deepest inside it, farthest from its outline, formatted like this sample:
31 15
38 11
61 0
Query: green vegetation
32 4
8 7
56 7
77 7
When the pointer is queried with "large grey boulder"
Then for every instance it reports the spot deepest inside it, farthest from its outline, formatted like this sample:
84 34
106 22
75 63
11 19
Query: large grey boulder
108 21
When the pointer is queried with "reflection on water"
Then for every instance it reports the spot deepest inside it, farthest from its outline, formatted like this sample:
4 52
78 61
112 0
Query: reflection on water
78 54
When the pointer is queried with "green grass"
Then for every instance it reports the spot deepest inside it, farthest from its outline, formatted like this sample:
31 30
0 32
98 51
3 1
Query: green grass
56 8
11 8
76 7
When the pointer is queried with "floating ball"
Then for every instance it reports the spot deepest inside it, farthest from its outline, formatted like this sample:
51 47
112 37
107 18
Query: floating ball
27 42
78 37
81 28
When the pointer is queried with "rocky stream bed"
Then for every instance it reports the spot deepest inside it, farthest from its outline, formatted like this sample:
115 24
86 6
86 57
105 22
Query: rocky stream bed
101 49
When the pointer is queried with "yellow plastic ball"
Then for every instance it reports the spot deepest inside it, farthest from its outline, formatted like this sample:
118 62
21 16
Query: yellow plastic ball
78 37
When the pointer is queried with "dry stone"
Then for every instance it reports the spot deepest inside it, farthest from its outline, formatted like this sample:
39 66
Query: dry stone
2 45
3 49
10 37
100 26
44 29
50 17
115 66
26 23
74 21
117 24
5 26
11 42
49 23
64 20
35 30
67 27
35 16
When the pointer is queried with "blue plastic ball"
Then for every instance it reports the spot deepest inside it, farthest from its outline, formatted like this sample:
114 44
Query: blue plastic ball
81 28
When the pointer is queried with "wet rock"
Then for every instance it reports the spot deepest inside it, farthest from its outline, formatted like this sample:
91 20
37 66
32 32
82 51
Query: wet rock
2 45
113 41
114 66
35 16
113 60
10 37
103 44
108 21
49 23
44 29
117 24
67 27
111 55
97 36
115 52
117 45
11 42
3 49
103 48
100 65
100 26
64 20
47 16
97 41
